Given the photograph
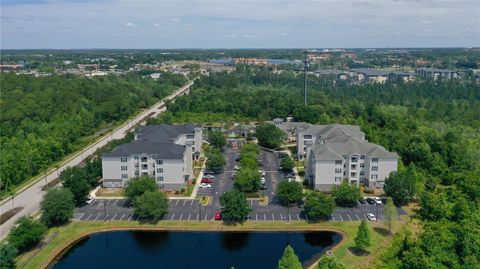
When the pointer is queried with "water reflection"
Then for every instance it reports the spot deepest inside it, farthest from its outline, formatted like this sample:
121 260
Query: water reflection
151 241
315 239
234 241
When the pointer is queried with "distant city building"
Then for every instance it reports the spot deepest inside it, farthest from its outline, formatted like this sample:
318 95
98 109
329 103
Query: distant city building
250 61
436 73
164 152
368 75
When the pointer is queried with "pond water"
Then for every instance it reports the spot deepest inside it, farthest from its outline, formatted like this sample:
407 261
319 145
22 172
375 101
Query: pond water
192 250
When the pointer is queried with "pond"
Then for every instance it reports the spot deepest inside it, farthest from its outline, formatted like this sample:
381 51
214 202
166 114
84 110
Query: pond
195 250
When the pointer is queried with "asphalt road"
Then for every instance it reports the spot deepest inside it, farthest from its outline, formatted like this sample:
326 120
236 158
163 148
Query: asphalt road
30 197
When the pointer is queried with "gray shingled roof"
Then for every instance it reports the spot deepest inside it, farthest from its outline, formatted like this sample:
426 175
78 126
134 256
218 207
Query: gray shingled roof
369 72
164 133
163 150
332 151
333 130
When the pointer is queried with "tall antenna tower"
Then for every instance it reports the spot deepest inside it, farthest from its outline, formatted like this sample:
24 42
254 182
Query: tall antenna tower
305 68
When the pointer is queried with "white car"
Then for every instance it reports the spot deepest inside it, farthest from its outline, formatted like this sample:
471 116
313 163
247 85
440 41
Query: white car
262 180
89 200
209 176
236 167
371 217
377 200
262 173
205 186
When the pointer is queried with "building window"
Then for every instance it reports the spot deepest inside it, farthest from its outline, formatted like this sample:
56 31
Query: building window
362 165
338 162
123 168
374 176
136 165
190 136
353 166
144 159
160 178
354 159
338 170
136 157
123 160
159 170
124 175
193 149
362 157
344 157
144 173
159 162
353 174
374 160
374 168
137 173
362 173
338 179
144 166
344 173
307 137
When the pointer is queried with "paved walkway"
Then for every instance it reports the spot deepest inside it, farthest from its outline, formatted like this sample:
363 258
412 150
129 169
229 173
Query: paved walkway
30 197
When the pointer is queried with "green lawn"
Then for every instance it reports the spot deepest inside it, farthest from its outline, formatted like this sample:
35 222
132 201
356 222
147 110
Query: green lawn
68 234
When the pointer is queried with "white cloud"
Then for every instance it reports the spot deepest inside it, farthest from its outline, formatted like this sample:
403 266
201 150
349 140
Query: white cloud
157 25
175 20
130 24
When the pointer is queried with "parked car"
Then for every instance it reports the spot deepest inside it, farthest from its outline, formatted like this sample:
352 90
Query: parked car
362 201
290 174
371 217
209 176
370 200
263 187
237 159
262 180
89 200
262 173
282 154
236 167
205 186
208 172
218 215
206 180
260 163
377 200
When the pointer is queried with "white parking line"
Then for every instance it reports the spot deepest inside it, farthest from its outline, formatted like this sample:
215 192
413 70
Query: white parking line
306 217
289 218
173 215
189 215
349 217
130 217
184 201
198 216
89 216
115 203
99 216
264 217
251 202
181 215
114 216
191 203
332 218
206 216
124 202
382 217
357 217
137 217
80 215
298 217
176 203
170 202
340 215
273 217
123 215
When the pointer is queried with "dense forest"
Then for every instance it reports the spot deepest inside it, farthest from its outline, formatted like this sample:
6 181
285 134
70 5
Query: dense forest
45 118
433 125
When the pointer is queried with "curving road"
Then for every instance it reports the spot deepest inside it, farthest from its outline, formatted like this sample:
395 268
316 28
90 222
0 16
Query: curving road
30 197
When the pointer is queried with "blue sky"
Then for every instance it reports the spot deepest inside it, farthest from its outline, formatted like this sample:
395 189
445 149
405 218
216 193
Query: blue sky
69 24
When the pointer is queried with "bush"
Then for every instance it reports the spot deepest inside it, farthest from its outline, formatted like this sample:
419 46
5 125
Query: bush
318 206
269 136
26 233
235 207
289 193
138 186
7 256
75 179
287 164
57 206
215 161
346 194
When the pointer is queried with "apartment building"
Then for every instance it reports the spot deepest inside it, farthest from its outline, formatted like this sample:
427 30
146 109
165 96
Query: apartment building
367 75
164 152
336 153
436 73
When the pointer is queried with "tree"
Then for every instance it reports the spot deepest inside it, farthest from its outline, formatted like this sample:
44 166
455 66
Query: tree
390 213
363 238
75 179
151 205
217 140
403 186
215 161
26 233
234 206
269 136
289 260
329 262
318 206
57 206
7 256
289 192
287 164
138 186
346 194
247 180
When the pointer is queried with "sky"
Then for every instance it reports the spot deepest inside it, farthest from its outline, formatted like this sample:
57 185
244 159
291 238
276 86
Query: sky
150 24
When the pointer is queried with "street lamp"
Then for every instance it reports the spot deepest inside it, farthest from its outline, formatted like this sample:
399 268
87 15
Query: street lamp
200 210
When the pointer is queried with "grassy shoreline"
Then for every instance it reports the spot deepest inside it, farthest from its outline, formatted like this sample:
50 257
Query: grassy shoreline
69 234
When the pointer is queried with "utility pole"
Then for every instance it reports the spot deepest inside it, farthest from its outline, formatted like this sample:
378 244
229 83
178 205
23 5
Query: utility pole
305 67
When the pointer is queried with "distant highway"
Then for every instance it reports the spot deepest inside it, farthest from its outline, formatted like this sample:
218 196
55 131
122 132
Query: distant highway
30 197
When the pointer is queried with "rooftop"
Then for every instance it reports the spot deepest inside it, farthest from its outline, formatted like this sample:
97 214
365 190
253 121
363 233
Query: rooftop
164 133
162 150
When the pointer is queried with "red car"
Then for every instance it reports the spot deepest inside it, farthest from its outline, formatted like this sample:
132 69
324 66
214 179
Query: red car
218 215
206 180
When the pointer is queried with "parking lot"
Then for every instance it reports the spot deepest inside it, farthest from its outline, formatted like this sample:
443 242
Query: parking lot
190 210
